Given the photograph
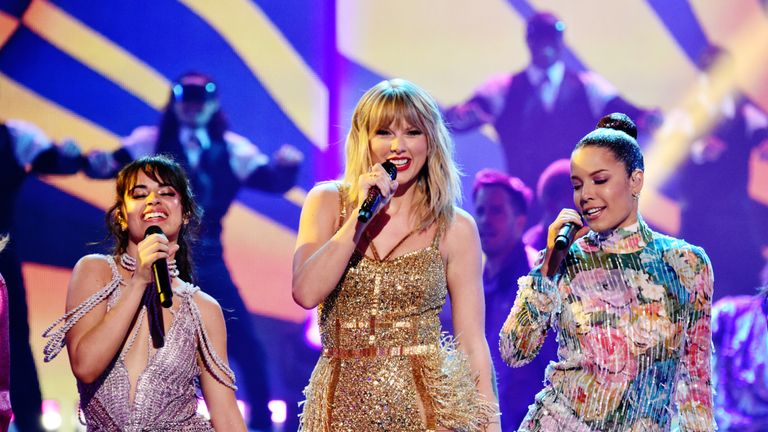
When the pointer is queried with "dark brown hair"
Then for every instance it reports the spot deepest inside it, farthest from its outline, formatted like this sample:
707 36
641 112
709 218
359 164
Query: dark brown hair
617 133
162 169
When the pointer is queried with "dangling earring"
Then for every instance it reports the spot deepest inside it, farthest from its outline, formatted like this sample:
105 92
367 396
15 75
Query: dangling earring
636 195
123 225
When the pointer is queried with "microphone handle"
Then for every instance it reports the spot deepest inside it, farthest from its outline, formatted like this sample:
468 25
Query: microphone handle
372 201
565 236
163 282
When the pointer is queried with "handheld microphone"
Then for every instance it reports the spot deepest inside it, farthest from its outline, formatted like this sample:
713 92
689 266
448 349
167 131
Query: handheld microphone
160 273
372 201
565 235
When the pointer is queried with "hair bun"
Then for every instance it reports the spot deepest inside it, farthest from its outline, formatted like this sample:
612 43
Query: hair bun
618 121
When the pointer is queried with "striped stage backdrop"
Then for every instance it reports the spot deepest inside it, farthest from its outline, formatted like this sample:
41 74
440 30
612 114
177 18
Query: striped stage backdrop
291 72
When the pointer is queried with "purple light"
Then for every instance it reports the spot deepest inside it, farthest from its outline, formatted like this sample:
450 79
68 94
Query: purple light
202 408
312 331
279 411
51 418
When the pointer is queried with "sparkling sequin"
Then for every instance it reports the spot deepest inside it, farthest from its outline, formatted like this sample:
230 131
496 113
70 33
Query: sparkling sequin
632 315
385 364
165 395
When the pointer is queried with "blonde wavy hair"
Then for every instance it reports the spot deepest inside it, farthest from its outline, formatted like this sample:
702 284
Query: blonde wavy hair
438 188
4 238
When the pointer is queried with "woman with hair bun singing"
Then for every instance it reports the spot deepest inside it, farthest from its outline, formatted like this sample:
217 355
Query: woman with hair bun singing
631 307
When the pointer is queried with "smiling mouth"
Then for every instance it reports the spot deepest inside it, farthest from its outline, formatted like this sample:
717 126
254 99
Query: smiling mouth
593 213
155 216
401 164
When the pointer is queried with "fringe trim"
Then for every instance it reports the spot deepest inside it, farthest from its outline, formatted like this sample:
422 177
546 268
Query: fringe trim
448 384
315 416
451 386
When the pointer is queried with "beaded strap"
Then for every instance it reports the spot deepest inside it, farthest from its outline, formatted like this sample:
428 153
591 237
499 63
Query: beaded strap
210 358
58 335
135 333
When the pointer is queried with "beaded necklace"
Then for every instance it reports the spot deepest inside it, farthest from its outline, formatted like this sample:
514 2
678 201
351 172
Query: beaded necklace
129 263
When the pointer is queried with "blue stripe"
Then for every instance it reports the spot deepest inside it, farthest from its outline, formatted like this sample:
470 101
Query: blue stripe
272 206
173 40
307 30
14 7
39 66
682 24
60 237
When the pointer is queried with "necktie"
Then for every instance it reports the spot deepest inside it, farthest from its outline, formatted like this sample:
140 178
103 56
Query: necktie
546 92
194 151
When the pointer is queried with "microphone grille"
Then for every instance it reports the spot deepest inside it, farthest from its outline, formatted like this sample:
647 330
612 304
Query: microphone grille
390 168
153 229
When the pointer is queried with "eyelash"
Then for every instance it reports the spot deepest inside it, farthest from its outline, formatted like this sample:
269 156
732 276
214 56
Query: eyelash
168 194
412 132
601 181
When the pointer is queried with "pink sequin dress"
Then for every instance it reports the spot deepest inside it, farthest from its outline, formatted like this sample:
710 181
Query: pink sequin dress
165 395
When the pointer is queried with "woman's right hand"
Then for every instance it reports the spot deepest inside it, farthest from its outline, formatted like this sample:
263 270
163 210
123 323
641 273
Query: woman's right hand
377 177
152 248
554 257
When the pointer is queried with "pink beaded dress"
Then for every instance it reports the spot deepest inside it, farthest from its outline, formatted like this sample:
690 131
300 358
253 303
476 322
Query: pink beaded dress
165 397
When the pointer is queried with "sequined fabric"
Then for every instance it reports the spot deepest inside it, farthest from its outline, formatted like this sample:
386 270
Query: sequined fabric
740 336
385 365
632 314
165 395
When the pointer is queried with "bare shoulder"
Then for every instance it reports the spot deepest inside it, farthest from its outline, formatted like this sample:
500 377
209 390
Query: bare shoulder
208 306
462 227
93 267
90 274
461 233
325 191
324 198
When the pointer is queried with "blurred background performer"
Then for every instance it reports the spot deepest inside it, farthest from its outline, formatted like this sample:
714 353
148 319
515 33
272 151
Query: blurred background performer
25 150
540 110
501 208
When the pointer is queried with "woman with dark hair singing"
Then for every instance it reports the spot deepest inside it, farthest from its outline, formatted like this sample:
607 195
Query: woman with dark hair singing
127 378
631 307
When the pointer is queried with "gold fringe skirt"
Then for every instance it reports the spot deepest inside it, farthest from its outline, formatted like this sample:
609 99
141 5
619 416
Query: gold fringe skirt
426 391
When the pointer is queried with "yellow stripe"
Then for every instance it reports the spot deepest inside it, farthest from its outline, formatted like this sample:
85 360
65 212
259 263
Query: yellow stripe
449 47
18 102
741 27
8 25
270 57
46 295
264 283
661 211
296 195
97 52
629 46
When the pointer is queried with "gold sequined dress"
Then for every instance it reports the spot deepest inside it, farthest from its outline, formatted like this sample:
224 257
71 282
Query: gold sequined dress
385 365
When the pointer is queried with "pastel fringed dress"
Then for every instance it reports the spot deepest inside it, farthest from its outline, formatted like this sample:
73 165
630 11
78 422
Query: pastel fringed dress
631 309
